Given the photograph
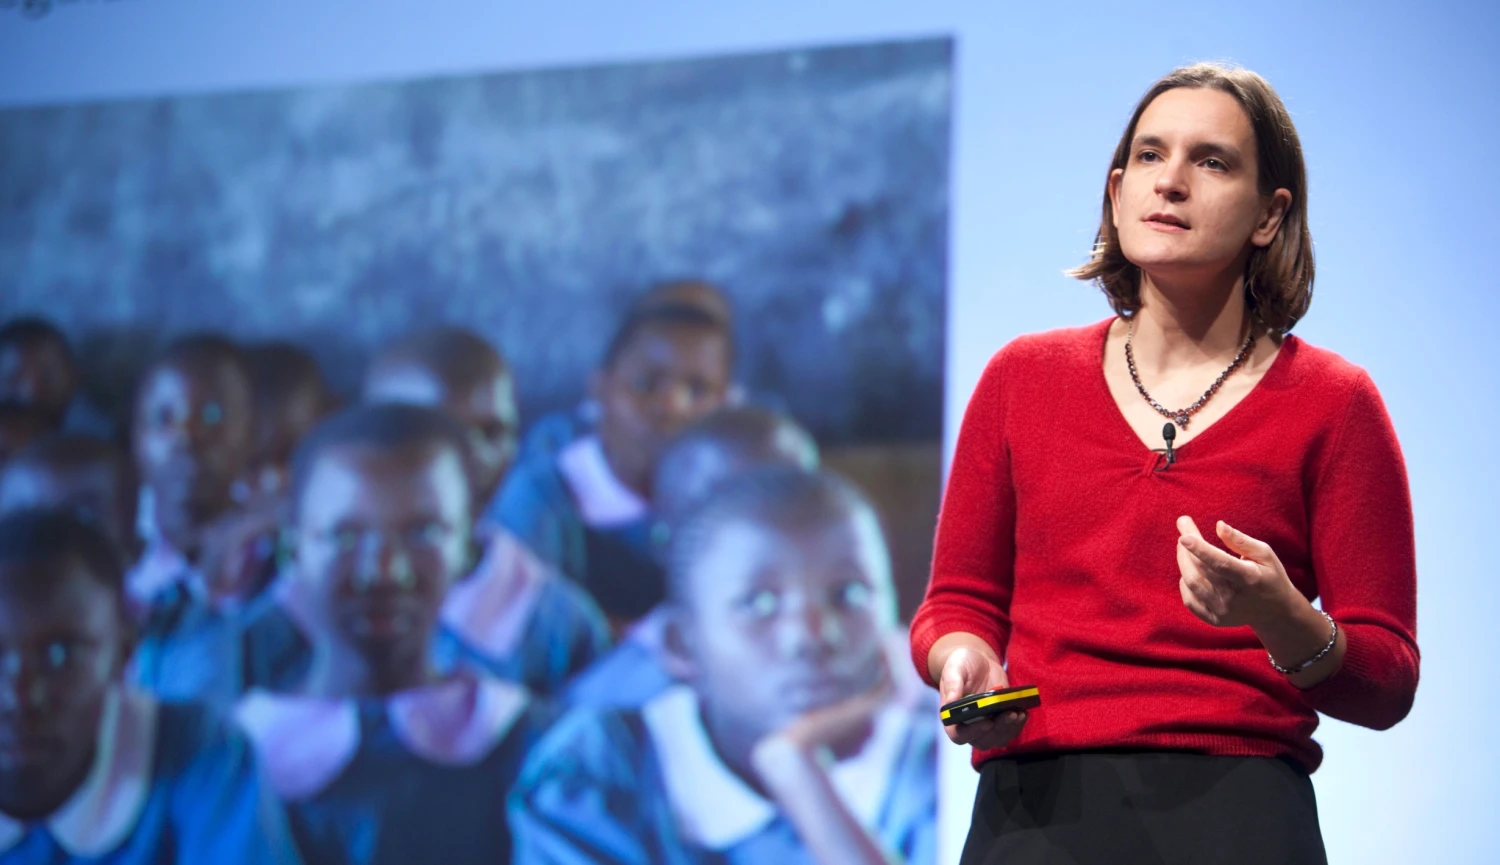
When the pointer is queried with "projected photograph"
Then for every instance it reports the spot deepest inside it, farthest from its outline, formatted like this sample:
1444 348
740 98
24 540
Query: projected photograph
586 421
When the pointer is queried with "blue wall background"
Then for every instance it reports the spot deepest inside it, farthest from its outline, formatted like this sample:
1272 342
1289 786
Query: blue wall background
531 206
1397 107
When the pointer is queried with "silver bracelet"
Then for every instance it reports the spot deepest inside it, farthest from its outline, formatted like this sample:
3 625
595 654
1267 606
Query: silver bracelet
1332 638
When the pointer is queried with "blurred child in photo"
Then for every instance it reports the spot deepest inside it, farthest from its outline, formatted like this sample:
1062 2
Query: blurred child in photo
788 741
379 755
586 509
291 396
513 616
727 443
211 548
38 369
92 771
551 433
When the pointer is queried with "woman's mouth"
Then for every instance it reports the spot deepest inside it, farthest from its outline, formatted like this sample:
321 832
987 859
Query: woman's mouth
1166 222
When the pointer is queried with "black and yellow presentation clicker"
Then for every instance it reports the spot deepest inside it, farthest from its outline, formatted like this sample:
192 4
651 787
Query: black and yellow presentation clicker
990 703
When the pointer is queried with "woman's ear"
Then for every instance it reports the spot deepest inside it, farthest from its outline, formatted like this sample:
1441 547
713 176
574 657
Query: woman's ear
1112 189
1271 217
677 648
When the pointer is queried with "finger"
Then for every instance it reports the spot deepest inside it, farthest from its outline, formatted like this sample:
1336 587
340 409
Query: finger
993 732
1189 599
1218 564
1196 605
953 683
1187 528
1199 596
1187 563
1242 544
1202 613
1007 727
968 734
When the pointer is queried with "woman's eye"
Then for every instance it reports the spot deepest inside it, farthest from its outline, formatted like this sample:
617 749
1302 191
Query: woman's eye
1147 156
1215 164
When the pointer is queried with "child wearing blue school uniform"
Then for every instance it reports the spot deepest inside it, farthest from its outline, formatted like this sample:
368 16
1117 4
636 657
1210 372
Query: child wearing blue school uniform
585 510
556 430
727 443
519 620
209 547
550 433
92 771
274 646
379 756
40 372
511 616
791 739
291 396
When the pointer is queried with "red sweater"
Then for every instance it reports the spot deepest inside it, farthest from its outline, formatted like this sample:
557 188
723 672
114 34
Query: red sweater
1056 544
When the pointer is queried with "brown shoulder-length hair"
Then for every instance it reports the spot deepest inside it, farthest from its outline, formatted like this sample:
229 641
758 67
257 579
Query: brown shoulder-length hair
1278 277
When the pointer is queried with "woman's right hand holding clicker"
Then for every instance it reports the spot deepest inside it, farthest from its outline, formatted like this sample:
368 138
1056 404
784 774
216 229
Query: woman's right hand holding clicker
963 664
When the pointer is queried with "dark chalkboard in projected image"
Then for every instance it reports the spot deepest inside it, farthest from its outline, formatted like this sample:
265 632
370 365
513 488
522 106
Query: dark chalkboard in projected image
531 206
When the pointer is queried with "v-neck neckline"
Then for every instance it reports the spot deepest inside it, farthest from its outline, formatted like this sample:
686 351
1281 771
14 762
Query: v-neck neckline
1284 352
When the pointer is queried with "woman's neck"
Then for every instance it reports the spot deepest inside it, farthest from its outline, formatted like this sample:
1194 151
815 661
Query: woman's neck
339 670
1187 325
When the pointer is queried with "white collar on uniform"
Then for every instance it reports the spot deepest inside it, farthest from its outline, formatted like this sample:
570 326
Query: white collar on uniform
491 608
717 810
304 743
603 499
101 814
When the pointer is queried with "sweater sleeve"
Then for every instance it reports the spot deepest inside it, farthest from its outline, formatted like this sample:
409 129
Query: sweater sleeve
1364 560
974 552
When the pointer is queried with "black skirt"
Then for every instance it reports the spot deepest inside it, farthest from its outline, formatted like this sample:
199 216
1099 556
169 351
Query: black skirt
1156 807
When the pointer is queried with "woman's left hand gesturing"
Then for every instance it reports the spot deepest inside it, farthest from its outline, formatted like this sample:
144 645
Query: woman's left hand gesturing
1254 590
1226 591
